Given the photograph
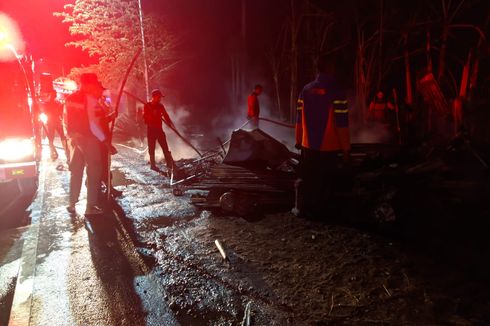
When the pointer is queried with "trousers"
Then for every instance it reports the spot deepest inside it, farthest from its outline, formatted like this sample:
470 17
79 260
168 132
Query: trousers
154 135
317 171
86 153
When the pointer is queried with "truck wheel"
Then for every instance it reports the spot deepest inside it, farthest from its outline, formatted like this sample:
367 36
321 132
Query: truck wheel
27 186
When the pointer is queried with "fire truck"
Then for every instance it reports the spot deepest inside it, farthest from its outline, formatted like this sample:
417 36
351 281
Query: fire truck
17 142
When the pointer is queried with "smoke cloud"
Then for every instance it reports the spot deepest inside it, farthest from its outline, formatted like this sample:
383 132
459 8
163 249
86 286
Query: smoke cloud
374 133
227 122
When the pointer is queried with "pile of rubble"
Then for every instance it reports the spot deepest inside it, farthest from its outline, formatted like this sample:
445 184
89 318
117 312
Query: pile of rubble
256 174
386 186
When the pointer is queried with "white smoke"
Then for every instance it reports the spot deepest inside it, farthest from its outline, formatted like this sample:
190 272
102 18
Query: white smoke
180 150
227 122
374 133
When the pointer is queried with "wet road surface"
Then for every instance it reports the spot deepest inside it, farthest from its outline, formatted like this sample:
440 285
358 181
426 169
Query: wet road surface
151 260
70 270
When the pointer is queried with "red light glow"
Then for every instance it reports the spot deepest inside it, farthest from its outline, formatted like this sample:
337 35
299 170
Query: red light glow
10 38
16 149
65 85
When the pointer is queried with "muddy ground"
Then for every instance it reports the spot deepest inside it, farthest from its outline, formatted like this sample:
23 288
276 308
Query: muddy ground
289 270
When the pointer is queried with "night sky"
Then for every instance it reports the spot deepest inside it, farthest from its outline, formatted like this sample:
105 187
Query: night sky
207 31
44 34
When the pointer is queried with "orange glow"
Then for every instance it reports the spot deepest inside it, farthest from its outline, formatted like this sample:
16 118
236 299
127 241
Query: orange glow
15 149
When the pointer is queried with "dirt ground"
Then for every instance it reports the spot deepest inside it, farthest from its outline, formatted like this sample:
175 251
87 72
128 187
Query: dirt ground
300 273
292 271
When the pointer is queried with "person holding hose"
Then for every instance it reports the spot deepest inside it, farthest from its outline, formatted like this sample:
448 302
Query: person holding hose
154 113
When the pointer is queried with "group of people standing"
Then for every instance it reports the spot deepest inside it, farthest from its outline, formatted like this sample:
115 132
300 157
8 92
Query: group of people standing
86 116
322 135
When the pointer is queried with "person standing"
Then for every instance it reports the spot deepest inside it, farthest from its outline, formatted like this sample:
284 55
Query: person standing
153 114
82 111
380 107
54 115
322 134
253 112
383 116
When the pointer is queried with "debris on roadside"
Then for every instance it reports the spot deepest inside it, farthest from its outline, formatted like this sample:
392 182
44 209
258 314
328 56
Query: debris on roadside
221 249
254 175
246 321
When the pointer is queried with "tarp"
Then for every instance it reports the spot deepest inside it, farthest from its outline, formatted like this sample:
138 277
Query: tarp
256 148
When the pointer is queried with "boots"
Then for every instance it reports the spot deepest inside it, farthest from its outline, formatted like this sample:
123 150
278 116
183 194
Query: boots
153 165
169 161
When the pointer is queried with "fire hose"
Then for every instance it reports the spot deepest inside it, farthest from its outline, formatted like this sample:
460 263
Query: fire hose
169 124
279 123
116 112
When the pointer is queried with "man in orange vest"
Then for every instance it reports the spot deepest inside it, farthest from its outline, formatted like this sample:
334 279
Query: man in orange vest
322 133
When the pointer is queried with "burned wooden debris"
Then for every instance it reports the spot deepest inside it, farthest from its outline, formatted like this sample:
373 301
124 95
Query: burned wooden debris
256 173
384 184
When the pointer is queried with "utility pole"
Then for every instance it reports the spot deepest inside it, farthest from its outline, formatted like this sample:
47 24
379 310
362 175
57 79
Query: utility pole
147 86
244 22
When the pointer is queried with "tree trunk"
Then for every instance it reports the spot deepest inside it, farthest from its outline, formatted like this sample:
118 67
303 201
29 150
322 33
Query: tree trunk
443 52
408 76
275 65
428 53
463 90
480 48
294 62
380 54
361 78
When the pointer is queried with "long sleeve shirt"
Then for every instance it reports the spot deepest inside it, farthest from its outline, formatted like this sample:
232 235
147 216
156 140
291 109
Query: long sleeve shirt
253 106
153 113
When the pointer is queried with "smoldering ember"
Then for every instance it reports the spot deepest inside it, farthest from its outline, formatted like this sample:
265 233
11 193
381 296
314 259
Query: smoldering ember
300 162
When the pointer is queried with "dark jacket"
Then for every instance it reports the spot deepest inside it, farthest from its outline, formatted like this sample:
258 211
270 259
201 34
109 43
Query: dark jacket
153 115
76 115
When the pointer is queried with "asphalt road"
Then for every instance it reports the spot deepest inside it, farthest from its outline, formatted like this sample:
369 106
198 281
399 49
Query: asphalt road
151 260
14 218
62 269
